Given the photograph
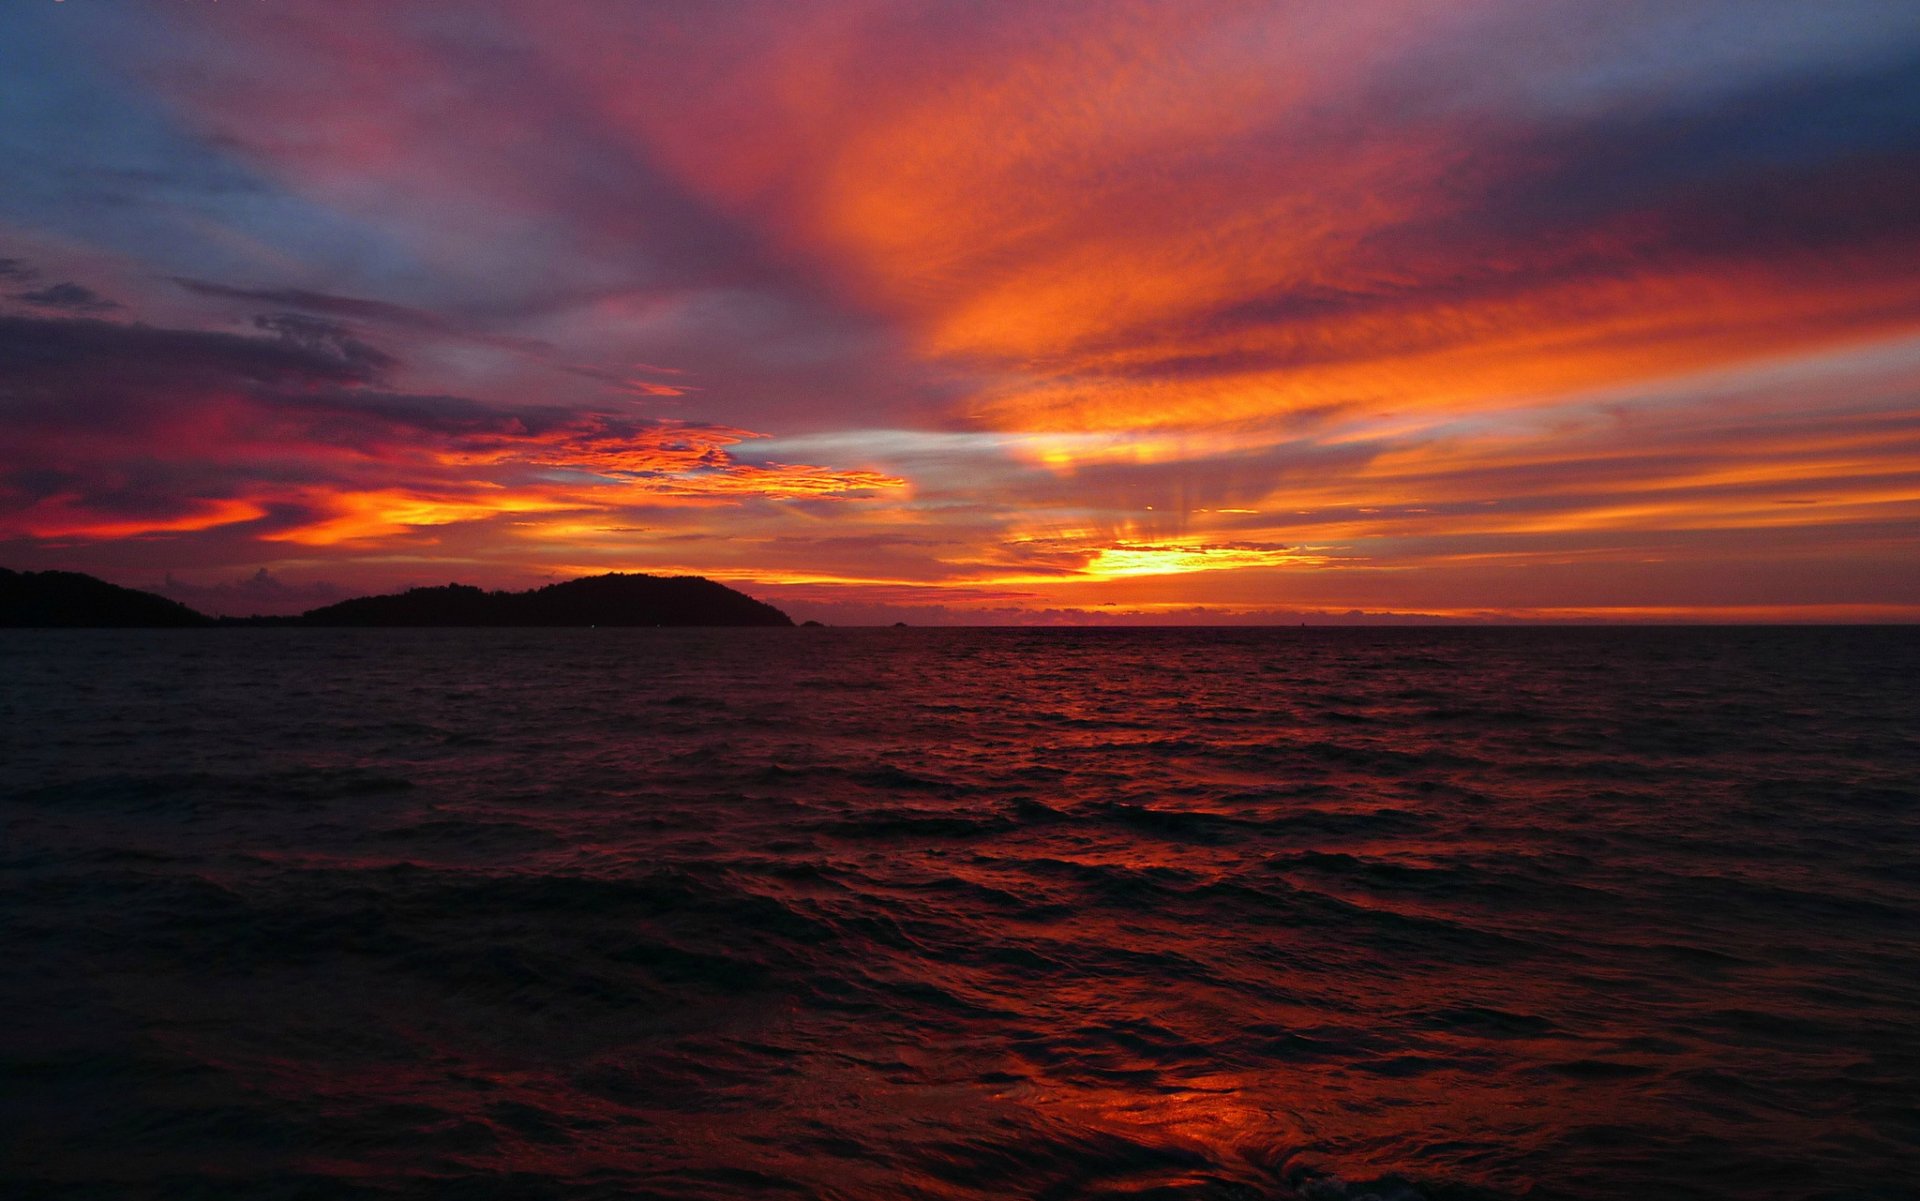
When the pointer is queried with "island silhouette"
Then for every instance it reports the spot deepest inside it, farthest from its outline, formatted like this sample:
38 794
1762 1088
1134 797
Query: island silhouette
47 599
68 598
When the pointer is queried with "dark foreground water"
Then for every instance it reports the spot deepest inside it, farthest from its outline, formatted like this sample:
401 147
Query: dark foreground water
960 914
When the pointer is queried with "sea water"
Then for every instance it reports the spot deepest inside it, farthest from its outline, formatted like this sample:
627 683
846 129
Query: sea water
1564 913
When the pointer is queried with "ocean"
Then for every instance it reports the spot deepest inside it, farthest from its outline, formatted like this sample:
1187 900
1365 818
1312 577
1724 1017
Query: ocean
925 913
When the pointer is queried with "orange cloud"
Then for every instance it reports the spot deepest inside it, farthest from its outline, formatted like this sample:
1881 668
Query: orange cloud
67 516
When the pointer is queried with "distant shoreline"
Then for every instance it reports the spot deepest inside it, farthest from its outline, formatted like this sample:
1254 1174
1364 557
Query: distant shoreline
72 600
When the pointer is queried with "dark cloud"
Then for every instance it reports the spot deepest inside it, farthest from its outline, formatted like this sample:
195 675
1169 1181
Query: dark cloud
74 370
309 373
1612 162
17 271
65 369
355 308
68 297
322 302
321 334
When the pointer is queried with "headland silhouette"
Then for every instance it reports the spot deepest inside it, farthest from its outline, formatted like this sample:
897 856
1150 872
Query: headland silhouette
51 599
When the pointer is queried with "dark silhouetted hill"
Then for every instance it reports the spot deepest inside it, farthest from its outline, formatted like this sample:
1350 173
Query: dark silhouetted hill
602 600
69 599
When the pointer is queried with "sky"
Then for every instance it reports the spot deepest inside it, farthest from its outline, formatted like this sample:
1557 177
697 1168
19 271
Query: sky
972 311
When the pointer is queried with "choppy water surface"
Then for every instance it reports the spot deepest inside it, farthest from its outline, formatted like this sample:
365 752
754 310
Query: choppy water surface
960 914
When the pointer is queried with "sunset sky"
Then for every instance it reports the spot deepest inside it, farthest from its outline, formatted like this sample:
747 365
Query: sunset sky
972 311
